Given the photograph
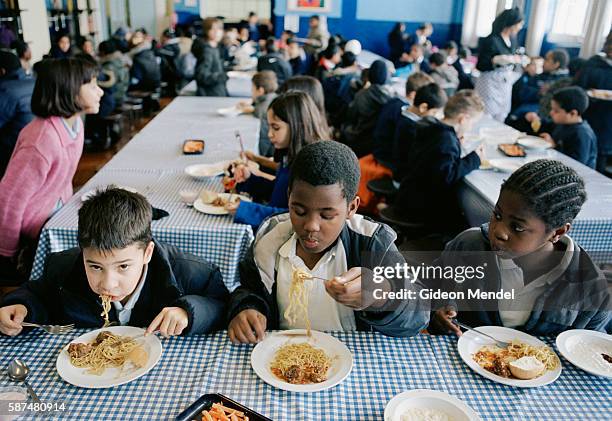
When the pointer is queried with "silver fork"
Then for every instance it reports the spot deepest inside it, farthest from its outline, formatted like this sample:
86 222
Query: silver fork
499 343
52 329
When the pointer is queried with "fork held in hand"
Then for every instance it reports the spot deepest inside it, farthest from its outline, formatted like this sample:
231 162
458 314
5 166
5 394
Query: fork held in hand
499 343
52 329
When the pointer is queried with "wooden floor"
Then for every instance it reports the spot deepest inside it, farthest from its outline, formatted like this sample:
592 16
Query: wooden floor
92 162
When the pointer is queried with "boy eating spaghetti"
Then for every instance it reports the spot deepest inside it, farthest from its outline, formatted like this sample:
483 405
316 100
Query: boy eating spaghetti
118 262
323 236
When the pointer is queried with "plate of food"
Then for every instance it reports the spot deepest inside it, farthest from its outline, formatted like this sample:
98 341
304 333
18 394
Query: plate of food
203 171
425 404
503 164
216 407
232 111
108 357
534 142
526 362
213 203
513 150
293 361
588 350
604 94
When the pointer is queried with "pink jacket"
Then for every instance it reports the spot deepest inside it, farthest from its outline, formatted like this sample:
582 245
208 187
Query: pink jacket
38 175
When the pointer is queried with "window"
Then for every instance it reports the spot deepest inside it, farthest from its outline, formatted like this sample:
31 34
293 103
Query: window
487 10
569 20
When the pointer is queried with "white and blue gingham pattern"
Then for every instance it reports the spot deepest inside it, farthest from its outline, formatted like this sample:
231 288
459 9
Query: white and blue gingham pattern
383 367
153 163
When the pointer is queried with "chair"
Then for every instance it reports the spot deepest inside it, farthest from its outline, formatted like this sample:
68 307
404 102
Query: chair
383 187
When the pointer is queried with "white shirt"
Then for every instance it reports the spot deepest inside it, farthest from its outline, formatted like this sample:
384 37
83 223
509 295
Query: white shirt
516 312
125 311
325 313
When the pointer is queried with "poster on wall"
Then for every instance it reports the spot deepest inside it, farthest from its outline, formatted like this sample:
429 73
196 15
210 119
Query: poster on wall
317 6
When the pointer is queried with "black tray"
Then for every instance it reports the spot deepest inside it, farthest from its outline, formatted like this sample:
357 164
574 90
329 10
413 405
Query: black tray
206 401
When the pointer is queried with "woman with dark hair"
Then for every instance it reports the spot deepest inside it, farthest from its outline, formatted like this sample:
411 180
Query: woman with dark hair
496 61
294 121
38 179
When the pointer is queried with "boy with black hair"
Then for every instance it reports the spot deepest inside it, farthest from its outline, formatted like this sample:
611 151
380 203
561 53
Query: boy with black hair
322 235
150 284
429 101
572 135
443 74
273 60
263 91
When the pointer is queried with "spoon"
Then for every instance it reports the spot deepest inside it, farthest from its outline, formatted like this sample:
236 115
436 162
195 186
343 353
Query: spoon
18 371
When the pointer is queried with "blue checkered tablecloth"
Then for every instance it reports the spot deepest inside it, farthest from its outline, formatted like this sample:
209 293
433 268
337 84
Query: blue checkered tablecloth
383 367
153 163
479 190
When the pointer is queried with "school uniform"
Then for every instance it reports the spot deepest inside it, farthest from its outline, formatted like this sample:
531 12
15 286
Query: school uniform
402 142
384 131
572 295
526 91
276 63
271 192
265 276
172 279
261 104
578 141
209 72
427 193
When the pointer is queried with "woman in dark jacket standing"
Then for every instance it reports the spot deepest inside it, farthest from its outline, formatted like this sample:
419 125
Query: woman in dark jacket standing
496 62
398 41
210 74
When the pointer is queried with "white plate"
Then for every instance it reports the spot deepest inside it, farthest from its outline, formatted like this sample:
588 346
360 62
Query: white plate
533 142
456 409
602 94
216 210
588 356
506 164
470 342
263 354
91 192
202 171
111 376
229 111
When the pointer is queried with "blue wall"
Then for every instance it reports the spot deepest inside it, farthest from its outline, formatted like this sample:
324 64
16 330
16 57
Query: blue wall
445 15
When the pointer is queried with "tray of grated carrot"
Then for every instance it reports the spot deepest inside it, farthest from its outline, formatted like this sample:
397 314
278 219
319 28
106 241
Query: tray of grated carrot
216 407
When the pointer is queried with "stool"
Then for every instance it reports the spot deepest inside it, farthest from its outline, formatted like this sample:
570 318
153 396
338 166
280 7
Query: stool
383 187
406 230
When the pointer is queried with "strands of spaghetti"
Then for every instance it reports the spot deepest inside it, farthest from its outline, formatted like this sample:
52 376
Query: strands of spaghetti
108 350
218 412
300 363
298 298
106 307
496 360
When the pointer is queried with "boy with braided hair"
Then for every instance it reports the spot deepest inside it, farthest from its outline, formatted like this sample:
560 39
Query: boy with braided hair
525 250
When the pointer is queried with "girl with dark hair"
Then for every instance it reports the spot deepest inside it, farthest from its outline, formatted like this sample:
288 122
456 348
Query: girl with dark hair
526 251
294 121
496 61
38 179
62 47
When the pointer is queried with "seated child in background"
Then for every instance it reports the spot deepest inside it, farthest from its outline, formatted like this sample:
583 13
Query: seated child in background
293 121
427 193
429 101
454 59
322 235
443 74
150 284
525 248
380 163
297 57
572 135
529 89
263 91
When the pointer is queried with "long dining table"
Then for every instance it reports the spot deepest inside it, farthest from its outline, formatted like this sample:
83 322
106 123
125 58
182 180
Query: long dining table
382 368
153 164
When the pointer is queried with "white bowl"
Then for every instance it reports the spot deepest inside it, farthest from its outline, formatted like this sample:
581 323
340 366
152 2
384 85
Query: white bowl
454 408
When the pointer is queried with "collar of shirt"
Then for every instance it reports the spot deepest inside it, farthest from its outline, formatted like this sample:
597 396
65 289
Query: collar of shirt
288 251
135 295
74 130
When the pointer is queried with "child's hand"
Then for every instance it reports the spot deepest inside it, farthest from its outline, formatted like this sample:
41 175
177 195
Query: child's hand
442 321
11 318
346 288
548 138
249 155
530 116
232 207
480 151
246 322
171 321
241 173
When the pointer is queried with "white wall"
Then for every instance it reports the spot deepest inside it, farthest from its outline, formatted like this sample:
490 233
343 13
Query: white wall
35 27
235 10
